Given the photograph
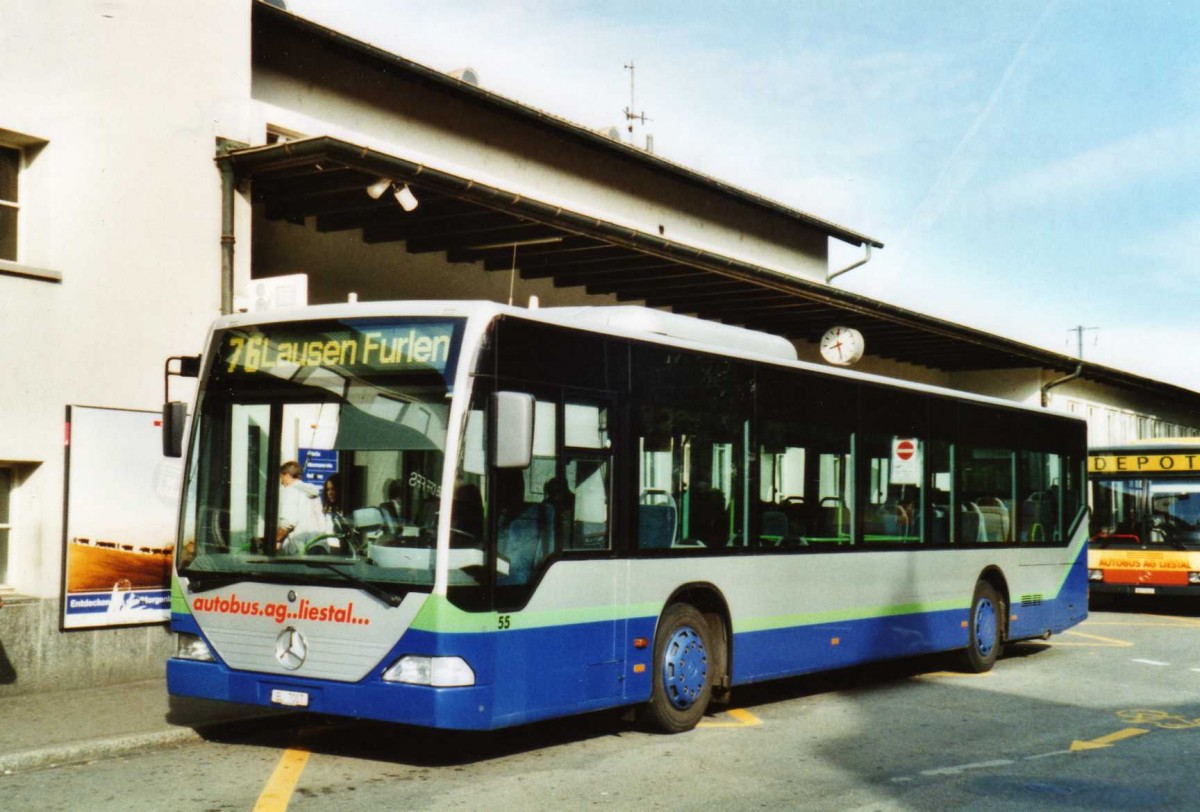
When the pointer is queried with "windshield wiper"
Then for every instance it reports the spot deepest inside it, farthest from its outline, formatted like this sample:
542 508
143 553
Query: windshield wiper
207 584
374 590
207 580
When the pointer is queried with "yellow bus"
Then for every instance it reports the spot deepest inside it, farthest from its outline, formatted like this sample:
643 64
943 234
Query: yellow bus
1145 527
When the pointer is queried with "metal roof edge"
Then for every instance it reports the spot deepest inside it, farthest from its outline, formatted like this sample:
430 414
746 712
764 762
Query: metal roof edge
561 125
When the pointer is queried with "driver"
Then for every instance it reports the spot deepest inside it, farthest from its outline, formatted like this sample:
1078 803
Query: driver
298 505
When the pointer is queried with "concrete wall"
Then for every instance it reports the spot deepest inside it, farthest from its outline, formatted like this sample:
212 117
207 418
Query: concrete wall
35 656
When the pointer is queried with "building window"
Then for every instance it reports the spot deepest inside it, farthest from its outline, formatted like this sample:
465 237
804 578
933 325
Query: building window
6 487
10 169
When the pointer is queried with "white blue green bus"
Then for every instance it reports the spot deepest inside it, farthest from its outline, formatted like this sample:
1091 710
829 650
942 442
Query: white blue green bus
513 514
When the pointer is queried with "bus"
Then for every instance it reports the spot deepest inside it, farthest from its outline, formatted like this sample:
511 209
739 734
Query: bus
544 512
1145 526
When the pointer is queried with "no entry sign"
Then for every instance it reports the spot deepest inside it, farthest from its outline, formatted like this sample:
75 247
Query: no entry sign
906 462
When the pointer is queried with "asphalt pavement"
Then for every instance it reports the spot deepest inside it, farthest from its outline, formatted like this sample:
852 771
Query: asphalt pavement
53 728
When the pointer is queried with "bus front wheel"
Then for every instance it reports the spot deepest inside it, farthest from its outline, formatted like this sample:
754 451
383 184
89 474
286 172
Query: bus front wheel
985 627
684 665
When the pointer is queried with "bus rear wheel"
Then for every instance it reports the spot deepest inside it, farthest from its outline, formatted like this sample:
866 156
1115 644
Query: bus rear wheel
985 627
684 665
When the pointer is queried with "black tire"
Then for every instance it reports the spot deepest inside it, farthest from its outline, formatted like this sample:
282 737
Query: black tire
985 630
683 668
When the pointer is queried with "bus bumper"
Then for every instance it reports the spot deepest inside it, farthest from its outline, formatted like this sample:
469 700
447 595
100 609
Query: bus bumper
465 708
1097 588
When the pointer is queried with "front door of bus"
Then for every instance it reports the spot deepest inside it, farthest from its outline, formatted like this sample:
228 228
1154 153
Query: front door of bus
557 592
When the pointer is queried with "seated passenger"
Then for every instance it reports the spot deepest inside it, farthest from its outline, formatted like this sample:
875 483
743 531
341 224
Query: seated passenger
393 505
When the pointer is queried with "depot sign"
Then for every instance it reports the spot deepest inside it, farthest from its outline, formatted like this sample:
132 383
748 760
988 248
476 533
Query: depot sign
1137 463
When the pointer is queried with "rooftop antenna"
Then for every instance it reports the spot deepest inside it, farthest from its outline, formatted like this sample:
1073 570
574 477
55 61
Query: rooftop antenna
1079 331
631 116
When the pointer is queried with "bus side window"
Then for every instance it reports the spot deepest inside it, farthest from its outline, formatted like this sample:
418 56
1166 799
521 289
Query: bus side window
1041 471
805 485
580 497
890 451
692 424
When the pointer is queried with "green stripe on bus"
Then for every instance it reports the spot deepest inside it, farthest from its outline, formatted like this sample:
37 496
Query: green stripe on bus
439 615
179 606
763 624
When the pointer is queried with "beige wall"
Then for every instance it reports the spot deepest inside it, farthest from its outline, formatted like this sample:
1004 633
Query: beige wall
325 95
124 202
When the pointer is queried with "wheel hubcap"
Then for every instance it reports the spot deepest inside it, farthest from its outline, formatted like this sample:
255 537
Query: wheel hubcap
685 667
985 627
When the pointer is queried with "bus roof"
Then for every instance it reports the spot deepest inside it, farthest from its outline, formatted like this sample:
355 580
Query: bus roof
627 321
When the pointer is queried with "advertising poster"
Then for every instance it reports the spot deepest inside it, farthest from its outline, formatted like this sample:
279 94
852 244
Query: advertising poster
122 504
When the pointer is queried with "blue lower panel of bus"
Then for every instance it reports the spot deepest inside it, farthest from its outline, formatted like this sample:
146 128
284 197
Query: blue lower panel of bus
795 650
521 676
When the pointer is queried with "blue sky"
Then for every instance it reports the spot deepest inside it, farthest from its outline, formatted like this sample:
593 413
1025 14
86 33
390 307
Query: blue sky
1030 166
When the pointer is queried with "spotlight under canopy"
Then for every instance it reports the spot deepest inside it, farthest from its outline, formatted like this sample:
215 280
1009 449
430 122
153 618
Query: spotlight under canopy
377 189
407 200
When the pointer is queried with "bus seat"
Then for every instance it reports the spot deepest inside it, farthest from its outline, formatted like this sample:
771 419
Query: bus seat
519 544
834 519
993 519
370 523
1037 518
774 526
656 526
889 514
939 526
971 524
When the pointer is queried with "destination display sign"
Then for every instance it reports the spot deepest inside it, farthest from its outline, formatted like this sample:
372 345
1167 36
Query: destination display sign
1139 463
284 350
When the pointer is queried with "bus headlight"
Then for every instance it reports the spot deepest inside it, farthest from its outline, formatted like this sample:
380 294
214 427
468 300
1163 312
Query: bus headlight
437 672
192 647
1095 575
1194 577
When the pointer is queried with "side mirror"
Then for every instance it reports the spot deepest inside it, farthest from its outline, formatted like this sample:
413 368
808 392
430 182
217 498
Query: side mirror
174 415
512 429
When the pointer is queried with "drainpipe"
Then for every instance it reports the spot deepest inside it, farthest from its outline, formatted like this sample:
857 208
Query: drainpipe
866 258
228 202
1048 386
227 238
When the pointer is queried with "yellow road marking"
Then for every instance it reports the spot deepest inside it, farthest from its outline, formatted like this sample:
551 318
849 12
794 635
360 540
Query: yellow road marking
1098 641
742 717
1159 719
1107 741
279 788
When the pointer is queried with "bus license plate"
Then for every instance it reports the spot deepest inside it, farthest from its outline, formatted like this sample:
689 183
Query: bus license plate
293 699
1144 590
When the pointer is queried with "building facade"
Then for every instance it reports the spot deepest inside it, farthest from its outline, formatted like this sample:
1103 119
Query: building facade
161 163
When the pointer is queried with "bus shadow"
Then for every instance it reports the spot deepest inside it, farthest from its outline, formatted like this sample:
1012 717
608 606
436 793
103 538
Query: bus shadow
416 746
421 747
1146 605
869 677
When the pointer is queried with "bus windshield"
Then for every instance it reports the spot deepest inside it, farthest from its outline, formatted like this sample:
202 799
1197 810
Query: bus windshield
317 455
1142 511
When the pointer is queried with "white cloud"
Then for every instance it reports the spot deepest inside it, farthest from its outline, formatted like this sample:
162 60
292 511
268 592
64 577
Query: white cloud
1106 169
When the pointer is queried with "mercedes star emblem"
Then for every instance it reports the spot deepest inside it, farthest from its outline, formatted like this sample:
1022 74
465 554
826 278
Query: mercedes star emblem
291 648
